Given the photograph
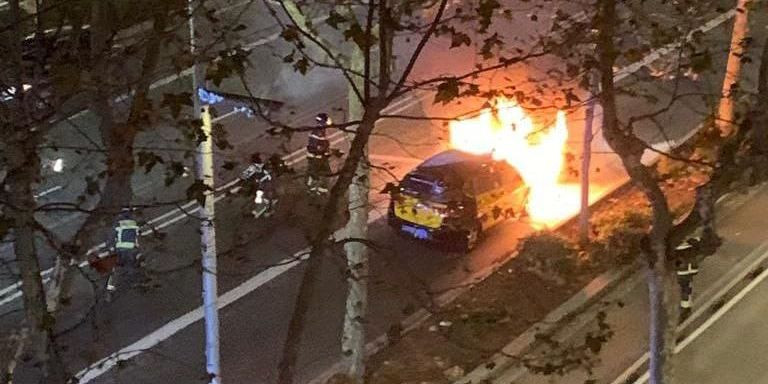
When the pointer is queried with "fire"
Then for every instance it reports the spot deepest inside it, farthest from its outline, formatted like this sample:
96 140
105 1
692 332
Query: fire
509 134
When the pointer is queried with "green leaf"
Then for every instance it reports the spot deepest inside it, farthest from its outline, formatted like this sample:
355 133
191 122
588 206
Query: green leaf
301 65
289 58
290 34
232 61
148 160
490 44
173 171
447 91
334 19
357 34
459 38
219 136
485 11
197 191
176 101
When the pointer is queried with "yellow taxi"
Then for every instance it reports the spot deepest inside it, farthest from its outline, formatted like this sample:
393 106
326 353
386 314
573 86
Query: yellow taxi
454 196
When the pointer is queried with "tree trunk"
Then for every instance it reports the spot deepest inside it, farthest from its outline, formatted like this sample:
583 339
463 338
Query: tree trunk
586 156
725 113
118 140
760 123
353 337
23 166
353 171
630 149
287 366
663 320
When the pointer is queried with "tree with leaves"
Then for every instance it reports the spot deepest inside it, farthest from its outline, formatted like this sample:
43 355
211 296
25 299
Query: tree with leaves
664 234
104 61
373 29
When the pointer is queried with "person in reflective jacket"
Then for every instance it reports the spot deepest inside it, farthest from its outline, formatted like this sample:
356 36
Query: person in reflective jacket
318 156
687 267
125 244
264 192
256 171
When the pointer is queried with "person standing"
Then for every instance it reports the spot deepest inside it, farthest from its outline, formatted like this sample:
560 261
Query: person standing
318 156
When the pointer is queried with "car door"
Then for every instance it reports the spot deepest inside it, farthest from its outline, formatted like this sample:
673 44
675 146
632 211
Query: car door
516 192
489 195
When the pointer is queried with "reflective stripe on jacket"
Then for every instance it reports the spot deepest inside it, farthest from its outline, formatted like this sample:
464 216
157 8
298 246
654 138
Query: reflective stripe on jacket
127 235
688 269
318 146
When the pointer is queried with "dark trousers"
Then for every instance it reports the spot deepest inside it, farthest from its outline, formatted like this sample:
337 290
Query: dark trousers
127 271
318 170
686 295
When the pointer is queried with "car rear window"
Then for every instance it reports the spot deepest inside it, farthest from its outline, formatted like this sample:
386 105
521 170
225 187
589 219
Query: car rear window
429 187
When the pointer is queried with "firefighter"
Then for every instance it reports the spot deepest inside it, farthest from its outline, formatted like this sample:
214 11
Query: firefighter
687 267
125 244
264 192
318 156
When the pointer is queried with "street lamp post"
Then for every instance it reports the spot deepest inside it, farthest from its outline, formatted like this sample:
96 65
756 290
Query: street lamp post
204 174
586 156
204 170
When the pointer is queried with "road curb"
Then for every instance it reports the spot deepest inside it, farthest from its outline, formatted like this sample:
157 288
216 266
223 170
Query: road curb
593 291
583 299
501 363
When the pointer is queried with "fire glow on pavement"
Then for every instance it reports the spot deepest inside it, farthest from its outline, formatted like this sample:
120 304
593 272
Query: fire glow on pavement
507 133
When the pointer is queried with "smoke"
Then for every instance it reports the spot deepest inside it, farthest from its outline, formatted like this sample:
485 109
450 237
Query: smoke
271 78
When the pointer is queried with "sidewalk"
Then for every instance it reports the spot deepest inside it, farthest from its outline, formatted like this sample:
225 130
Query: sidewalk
741 223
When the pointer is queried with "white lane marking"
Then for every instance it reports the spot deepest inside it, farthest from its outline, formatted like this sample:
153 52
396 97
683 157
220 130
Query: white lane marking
190 208
715 317
619 75
48 191
175 326
762 252
722 311
187 72
172 327
167 331
656 54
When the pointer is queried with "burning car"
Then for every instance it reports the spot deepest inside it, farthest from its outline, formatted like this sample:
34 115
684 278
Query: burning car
454 196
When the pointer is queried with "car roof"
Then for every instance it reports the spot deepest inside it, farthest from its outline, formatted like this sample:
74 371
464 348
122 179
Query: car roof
453 156
452 163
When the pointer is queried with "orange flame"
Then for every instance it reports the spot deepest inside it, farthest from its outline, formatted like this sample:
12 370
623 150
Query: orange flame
509 134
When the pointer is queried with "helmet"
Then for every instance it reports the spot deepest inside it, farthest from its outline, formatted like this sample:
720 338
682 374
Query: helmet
126 213
323 119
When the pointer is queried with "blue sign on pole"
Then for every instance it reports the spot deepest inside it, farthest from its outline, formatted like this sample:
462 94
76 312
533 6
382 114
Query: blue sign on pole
208 97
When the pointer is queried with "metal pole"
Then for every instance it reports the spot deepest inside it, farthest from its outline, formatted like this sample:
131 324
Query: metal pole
204 173
586 156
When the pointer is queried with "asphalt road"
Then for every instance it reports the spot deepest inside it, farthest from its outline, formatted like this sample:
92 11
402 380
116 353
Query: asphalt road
254 322
624 355
735 348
